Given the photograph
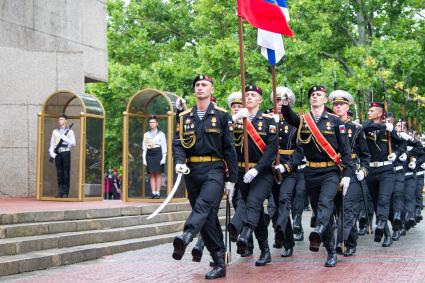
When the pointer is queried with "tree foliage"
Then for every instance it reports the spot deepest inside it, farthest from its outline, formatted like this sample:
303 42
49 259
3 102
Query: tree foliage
365 47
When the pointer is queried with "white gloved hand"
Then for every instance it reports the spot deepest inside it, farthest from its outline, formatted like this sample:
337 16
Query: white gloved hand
412 165
164 158
389 127
345 183
250 175
230 189
276 118
360 175
180 104
405 136
392 157
242 113
403 157
182 169
53 155
423 166
281 168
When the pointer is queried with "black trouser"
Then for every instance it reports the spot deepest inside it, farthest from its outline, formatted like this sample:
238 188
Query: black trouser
380 182
410 195
253 195
282 195
369 202
322 186
419 190
300 194
351 209
63 167
239 204
397 198
205 186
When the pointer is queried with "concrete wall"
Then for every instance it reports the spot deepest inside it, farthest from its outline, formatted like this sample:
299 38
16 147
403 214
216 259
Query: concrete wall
45 45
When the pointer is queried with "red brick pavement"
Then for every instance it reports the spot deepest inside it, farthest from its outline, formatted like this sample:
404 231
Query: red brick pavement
403 262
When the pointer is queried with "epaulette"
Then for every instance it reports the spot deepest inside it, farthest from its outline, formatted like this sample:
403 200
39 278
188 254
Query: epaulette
268 115
332 114
357 124
185 112
219 108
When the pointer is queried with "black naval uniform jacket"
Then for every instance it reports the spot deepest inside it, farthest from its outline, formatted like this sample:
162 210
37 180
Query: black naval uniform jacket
416 151
377 141
334 131
359 149
265 126
214 137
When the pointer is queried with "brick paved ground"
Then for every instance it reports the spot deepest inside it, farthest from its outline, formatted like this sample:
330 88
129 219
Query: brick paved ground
403 262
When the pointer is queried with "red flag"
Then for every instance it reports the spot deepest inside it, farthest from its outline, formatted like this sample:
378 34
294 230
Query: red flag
264 14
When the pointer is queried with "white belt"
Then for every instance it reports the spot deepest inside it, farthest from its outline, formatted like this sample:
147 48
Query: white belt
63 149
300 167
408 174
398 168
420 173
380 163
152 146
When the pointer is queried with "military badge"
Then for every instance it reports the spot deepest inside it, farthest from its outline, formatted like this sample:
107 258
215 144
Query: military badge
286 129
328 125
230 124
350 132
213 121
342 129
272 129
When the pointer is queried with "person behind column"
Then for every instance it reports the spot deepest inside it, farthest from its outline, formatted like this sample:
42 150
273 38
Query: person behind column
341 101
116 184
63 139
323 139
204 139
255 185
381 178
154 155
419 184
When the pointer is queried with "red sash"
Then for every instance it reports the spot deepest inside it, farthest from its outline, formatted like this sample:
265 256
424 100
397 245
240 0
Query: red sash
320 139
258 141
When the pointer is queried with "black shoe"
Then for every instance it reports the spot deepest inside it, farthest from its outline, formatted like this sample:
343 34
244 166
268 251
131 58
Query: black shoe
219 268
279 239
312 221
387 242
265 256
153 196
349 252
59 195
297 224
362 231
287 252
410 223
379 231
316 238
242 243
233 232
403 231
397 221
180 243
396 235
418 215
197 250
299 237
64 196
249 252
331 260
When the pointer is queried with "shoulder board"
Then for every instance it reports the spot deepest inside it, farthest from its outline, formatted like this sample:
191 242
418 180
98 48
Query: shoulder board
219 108
267 115
331 114
357 124
185 112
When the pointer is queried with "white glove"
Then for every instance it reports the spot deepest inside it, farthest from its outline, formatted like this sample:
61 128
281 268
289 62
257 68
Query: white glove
242 113
182 169
276 118
53 155
412 165
389 127
423 166
403 157
345 183
230 189
405 136
250 175
281 168
360 175
164 157
392 157
180 104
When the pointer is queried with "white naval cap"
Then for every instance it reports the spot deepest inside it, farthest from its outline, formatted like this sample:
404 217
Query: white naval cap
283 90
234 97
341 96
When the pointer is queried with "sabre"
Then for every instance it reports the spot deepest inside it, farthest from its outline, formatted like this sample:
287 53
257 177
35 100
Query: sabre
169 197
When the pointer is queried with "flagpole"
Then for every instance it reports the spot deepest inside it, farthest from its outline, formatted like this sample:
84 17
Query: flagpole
277 158
242 70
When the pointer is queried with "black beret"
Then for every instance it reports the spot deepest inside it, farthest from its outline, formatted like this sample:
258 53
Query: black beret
254 88
316 88
202 78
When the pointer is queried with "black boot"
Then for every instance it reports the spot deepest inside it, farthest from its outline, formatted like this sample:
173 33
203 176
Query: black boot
362 231
362 219
410 221
242 243
313 220
287 252
387 239
418 215
279 238
265 256
397 221
299 237
180 243
316 238
233 232
331 260
396 235
248 252
297 223
197 250
403 230
349 252
379 231
219 268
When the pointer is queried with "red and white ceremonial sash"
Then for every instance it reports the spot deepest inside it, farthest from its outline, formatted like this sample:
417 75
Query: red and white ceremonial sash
258 141
320 139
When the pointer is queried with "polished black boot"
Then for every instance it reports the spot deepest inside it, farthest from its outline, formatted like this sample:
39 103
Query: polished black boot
403 230
397 221
362 219
313 220
349 252
197 250
242 243
279 238
396 235
418 215
287 252
265 256
379 231
331 259
410 222
233 232
298 228
248 252
316 238
180 243
362 231
299 237
219 268
387 239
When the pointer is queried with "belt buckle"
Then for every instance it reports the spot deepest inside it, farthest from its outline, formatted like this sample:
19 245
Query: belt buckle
201 158
375 164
